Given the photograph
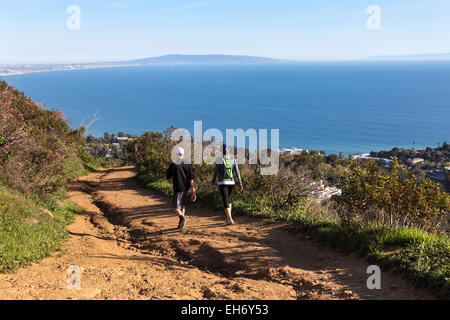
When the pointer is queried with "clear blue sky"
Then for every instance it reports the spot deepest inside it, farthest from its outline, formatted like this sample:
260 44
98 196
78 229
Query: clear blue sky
34 31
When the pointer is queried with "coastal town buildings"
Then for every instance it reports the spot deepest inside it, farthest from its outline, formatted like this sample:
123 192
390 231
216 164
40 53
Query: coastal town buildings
292 151
322 192
436 175
366 157
413 161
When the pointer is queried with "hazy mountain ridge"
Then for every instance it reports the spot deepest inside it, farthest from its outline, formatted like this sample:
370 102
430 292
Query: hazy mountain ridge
202 59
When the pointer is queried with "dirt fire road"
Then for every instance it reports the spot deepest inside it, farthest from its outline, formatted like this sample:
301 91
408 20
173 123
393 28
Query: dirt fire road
127 247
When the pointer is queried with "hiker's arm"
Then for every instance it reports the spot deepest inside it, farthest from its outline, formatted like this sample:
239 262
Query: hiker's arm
194 194
216 171
238 175
191 172
169 173
191 178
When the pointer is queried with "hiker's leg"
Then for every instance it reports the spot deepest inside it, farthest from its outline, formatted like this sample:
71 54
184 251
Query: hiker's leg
228 213
184 202
229 192
224 193
177 204
179 207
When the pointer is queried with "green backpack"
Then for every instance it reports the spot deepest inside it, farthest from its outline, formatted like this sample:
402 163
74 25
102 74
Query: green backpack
228 163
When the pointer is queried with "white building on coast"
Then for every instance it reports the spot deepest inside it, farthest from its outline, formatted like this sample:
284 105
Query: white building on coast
292 151
366 157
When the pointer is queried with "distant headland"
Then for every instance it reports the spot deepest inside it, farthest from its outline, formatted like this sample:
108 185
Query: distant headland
413 57
171 60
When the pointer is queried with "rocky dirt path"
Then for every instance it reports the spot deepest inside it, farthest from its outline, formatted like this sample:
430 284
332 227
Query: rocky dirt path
127 247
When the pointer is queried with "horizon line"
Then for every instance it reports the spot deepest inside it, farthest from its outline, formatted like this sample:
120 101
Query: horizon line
388 57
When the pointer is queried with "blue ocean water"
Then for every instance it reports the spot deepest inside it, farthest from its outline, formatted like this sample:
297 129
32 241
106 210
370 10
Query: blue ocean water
336 107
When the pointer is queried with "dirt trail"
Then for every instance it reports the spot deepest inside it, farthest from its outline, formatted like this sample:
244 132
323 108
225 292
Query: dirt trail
128 248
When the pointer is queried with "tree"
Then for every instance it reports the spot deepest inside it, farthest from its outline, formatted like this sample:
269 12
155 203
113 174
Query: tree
90 139
151 152
279 192
107 137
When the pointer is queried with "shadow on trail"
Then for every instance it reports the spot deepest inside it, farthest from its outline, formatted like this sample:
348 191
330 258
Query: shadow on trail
109 238
250 249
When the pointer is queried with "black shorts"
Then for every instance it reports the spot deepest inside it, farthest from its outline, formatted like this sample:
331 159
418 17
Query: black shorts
226 191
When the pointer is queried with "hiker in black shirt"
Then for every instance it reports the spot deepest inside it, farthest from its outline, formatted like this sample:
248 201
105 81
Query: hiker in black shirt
182 175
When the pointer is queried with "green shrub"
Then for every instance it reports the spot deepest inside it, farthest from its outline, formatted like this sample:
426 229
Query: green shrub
35 144
385 198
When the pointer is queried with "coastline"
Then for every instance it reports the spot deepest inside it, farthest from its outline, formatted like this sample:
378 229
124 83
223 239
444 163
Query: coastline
309 135
65 68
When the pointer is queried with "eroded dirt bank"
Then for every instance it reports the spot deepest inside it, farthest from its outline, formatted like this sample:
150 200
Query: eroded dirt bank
128 248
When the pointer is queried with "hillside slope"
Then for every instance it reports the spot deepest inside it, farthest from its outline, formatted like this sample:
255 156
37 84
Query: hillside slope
39 155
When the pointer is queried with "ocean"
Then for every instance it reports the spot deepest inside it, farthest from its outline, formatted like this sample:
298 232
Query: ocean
348 107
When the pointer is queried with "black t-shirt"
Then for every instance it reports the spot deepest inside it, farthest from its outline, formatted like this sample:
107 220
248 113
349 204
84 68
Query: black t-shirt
181 174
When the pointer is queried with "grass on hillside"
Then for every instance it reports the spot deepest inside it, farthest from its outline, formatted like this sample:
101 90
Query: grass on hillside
76 167
422 257
32 227
28 232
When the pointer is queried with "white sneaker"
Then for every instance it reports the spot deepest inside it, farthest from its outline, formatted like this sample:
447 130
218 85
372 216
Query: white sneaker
229 222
